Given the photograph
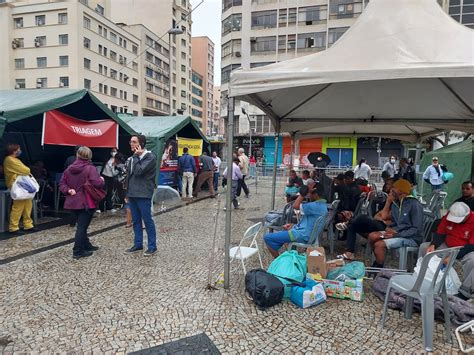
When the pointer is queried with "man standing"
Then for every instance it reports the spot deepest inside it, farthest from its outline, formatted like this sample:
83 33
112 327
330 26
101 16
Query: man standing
217 165
406 227
235 178
206 174
141 174
407 172
244 168
467 194
390 166
187 168
434 175
457 230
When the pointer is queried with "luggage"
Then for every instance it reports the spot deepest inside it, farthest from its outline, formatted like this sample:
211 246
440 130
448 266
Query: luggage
290 268
264 289
311 294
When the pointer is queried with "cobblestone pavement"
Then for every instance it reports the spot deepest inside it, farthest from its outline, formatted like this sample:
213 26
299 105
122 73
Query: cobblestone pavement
117 303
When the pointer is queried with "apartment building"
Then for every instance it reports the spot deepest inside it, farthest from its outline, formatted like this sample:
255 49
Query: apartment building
260 32
71 44
218 125
203 63
198 102
160 16
154 69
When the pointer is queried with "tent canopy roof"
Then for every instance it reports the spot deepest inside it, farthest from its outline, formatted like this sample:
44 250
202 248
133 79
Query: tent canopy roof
17 105
404 63
162 127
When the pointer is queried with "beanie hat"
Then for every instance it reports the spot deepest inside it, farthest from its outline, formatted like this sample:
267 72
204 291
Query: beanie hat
403 185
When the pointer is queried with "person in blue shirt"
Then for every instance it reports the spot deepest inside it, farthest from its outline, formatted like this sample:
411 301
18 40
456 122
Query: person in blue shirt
187 168
300 232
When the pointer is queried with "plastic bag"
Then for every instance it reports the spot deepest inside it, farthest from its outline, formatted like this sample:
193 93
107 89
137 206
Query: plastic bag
24 188
354 270
452 280
447 176
289 267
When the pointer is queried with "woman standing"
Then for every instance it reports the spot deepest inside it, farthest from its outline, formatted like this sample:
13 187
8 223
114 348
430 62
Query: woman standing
72 185
362 171
14 167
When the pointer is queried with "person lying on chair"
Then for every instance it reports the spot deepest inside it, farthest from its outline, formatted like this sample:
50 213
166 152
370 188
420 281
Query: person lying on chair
300 232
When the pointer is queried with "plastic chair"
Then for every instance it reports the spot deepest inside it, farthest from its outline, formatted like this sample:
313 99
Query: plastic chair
315 236
428 220
242 252
415 286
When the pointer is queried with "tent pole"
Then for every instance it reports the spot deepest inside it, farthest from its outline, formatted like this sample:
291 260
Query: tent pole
292 149
275 157
228 214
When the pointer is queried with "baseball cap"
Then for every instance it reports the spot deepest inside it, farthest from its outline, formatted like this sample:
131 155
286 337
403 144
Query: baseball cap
457 212
435 158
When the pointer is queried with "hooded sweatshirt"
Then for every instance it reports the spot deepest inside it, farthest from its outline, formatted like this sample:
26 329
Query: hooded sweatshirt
74 178
407 218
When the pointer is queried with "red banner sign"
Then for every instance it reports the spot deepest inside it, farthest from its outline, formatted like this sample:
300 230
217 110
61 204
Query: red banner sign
62 129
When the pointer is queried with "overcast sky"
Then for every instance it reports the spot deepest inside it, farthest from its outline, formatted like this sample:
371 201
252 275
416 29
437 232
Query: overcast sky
207 22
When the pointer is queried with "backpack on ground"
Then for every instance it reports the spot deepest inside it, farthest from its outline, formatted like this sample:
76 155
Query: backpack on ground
264 289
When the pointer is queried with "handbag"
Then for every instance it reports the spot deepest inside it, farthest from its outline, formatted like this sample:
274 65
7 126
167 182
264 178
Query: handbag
92 192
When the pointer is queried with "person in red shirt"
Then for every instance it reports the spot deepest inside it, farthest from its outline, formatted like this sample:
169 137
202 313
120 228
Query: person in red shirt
457 229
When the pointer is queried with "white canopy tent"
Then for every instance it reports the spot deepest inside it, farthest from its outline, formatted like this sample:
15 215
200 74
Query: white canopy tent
404 70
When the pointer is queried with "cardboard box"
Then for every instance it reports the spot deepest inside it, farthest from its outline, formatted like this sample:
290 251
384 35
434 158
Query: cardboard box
316 264
349 289
332 264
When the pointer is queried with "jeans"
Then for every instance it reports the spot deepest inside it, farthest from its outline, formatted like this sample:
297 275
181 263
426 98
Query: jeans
396 243
437 187
277 240
141 210
361 224
216 181
81 240
242 185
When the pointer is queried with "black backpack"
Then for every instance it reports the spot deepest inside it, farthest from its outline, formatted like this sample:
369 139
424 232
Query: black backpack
264 289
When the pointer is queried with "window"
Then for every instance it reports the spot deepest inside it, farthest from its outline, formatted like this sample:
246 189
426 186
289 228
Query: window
18 42
231 24
113 55
101 68
292 17
20 84
86 22
101 87
113 37
99 9
41 83
105 70
227 4
312 15
263 44
87 63
99 49
183 55
196 102
63 60
345 9
183 68
62 18
105 51
335 33
113 74
18 22
149 72
64 81
135 98
312 40
87 84
124 43
264 19
40 20
106 89
41 62
149 56
113 108
113 91
105 32
125 95
40 41
149 102
87 42
135 66
135 82
63 40
100 30
20 63
196 112
225 72
134 49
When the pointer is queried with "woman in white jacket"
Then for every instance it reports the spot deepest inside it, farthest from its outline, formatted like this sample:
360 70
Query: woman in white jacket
362 170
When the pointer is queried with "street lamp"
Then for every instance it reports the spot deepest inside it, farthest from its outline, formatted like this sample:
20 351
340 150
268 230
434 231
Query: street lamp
172 32
250 131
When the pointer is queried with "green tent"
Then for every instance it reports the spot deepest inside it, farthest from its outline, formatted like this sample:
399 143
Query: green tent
459 160
21 121
158 129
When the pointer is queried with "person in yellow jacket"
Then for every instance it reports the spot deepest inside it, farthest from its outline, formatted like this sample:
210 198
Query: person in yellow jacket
13 167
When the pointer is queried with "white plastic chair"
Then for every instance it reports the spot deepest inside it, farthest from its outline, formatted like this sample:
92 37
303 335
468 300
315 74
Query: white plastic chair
242 252
424 290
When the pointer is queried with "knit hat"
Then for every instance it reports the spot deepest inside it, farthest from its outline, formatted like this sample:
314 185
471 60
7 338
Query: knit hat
403 185
457 212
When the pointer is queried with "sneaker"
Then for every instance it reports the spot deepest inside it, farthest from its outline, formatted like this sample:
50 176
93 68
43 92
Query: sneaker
149 252
98 211
341 226
113 210
31 230
238 203
247 195
133 249
92 248
84 254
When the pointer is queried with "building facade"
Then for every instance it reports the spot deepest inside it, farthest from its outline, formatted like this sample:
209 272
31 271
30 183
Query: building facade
198 100
203 63
173 14
70 44
218 126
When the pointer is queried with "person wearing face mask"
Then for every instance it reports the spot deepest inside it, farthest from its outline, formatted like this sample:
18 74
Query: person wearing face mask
108 173
434 175
14 167
390 166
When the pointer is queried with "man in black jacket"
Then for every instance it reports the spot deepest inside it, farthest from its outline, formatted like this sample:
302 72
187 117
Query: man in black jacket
141 183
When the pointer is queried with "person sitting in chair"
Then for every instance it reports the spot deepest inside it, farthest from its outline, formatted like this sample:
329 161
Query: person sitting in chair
300 232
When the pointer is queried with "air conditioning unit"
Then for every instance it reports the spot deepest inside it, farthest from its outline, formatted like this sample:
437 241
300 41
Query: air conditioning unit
17 86
37 42
61 84
39 81
253 39
125 77
121 61
39 86
15 44
238 54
